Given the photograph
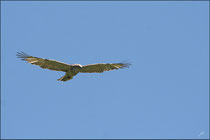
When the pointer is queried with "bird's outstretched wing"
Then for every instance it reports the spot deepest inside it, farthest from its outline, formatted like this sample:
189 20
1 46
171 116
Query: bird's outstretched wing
99 68
44 63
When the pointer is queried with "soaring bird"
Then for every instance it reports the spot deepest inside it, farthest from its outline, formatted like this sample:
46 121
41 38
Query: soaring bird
70 69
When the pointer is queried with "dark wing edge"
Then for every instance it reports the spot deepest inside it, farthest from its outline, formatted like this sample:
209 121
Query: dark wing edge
23 56
125 65
43 63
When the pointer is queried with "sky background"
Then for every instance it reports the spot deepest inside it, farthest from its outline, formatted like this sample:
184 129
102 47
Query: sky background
164 94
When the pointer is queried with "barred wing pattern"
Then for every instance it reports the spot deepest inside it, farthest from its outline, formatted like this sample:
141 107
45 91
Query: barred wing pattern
44 63
101 67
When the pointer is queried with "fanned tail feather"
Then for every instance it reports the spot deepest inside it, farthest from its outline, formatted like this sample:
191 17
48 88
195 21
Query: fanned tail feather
66 77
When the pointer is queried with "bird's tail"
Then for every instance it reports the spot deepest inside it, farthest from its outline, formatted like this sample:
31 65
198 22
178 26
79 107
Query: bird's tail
66 77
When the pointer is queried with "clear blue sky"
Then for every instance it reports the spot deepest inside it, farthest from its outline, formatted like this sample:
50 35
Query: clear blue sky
164 94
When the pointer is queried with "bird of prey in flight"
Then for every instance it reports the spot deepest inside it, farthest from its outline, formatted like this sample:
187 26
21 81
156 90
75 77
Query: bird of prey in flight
70 69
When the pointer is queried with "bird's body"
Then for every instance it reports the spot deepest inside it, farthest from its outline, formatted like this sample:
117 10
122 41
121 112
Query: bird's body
70 69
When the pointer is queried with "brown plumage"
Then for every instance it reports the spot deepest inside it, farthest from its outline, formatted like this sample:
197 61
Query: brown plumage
70 69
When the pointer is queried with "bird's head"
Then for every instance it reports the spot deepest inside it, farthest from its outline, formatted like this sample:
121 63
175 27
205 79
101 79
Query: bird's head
77 65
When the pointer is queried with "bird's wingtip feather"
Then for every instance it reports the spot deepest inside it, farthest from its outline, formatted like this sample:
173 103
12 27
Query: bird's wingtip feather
126 64
22 55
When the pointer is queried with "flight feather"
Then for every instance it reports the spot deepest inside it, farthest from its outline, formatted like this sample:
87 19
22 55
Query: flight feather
101 67
44 63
